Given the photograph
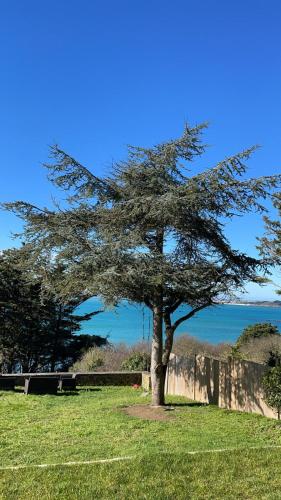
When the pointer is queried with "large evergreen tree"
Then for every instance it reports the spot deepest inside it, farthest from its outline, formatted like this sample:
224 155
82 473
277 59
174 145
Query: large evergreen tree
37 330
151 232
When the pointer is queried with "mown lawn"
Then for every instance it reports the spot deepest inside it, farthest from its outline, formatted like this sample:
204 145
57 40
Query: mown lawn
92 425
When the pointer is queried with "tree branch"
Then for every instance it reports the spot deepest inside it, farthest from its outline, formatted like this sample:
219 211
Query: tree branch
190 314
148 303
171 309
87 316
169 330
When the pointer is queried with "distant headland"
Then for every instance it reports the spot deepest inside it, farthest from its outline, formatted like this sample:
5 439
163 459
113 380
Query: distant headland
259 303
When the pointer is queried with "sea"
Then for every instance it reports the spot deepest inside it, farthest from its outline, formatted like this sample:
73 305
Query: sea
129 323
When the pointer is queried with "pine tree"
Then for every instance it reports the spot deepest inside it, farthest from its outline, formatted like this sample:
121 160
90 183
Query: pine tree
151 232
37 331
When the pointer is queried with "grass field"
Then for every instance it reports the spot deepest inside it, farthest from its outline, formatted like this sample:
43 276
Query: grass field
93 426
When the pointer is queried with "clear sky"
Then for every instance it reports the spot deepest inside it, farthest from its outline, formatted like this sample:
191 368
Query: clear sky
94 76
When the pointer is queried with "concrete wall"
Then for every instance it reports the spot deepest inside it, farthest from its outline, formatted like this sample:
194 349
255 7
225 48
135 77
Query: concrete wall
180 377
244 388
236 385
88 378
109 378
146 381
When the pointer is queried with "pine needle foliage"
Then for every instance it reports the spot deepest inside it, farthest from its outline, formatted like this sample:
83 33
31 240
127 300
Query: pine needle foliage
270 244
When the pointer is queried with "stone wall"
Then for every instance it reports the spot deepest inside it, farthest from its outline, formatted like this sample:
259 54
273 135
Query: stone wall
236 385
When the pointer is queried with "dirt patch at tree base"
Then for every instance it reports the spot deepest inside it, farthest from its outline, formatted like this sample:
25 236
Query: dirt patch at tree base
148 412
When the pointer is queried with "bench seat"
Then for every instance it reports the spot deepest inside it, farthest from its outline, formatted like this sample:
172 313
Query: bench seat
41 385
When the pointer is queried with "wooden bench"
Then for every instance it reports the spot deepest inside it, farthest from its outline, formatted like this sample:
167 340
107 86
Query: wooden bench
67 383
41 385
7 383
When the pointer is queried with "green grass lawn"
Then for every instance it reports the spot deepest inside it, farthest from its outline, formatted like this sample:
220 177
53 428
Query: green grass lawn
91 426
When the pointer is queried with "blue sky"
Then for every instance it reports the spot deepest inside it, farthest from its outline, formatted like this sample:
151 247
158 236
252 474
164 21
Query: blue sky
94 76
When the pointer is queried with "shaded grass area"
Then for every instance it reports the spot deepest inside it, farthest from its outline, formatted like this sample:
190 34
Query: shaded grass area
92 425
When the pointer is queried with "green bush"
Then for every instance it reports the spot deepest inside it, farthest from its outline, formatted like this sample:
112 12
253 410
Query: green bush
272 387
258 330
235 352
138 361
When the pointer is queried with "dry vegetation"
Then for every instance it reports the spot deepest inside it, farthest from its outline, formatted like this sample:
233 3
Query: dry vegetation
112 356
109 358
259 349
186 345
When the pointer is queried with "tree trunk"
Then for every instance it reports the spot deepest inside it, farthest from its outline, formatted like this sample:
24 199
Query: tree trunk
167 351
157 374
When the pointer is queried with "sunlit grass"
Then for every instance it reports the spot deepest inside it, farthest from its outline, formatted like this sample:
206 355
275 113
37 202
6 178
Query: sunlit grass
92 425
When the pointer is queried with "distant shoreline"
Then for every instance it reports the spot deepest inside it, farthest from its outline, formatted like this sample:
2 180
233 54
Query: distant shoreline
275 304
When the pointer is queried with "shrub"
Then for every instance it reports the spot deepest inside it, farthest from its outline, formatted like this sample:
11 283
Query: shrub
274 358
258 330
272 387
137 361
109 358
236 352
90 361
256 342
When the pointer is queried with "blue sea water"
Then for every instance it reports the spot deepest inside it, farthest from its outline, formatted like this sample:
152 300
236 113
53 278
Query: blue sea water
131 323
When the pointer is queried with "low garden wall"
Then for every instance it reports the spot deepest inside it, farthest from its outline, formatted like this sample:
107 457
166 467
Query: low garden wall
88 378
109 378
146 381
232 384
